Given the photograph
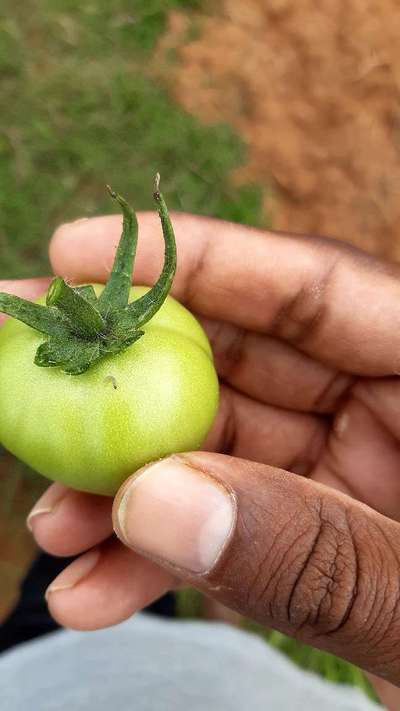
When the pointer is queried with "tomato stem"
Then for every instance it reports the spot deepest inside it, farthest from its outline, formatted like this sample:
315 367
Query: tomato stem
82 328
143 309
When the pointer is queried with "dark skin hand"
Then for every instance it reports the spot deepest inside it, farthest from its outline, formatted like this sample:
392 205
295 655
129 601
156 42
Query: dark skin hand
306 337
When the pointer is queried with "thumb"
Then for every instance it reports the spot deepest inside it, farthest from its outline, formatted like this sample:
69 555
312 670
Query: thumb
283 550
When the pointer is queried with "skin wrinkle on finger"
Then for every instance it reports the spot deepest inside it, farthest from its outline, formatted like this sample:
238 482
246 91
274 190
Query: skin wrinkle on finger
272 371
312 580
248 429
356 295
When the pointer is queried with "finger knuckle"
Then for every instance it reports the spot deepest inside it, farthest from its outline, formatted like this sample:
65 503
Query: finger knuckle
325 581
313 582
229 347
299 318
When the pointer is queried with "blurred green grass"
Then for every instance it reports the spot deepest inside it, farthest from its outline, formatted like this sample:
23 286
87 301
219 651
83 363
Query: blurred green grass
81 109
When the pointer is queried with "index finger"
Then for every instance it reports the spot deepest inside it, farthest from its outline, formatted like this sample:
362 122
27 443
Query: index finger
330 300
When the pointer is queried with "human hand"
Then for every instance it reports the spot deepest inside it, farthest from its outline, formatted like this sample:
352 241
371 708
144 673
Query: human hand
305 334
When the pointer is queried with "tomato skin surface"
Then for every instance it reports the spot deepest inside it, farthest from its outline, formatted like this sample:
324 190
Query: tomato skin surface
91 431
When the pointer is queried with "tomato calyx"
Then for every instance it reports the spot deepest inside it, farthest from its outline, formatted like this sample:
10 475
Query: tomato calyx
81 327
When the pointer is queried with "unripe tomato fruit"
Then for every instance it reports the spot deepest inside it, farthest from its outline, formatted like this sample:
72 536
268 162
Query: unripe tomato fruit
93 430
102 380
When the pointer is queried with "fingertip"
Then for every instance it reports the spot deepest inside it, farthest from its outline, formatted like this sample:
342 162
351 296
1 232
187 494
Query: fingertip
60 593
66 522
105 587
83 249
177 515
50 538
40 519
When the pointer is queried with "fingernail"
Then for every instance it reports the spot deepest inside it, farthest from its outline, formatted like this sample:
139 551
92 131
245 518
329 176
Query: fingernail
174 513
75 573
47 503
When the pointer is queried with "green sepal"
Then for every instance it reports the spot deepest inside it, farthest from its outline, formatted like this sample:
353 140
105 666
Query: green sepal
72 355
142 310
88 293
116 346
82 328
46 320
87 322
115 294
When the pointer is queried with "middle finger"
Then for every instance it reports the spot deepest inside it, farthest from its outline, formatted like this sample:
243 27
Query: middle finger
272 371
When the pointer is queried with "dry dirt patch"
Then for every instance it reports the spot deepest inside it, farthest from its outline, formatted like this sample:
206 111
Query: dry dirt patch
314 90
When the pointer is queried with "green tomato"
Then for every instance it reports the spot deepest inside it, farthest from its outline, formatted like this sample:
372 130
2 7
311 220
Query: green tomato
93 430
96 381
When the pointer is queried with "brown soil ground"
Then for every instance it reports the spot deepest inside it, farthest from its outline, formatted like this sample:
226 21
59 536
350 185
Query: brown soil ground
313 88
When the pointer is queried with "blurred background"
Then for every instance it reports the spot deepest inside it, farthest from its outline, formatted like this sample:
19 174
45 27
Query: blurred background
268 112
